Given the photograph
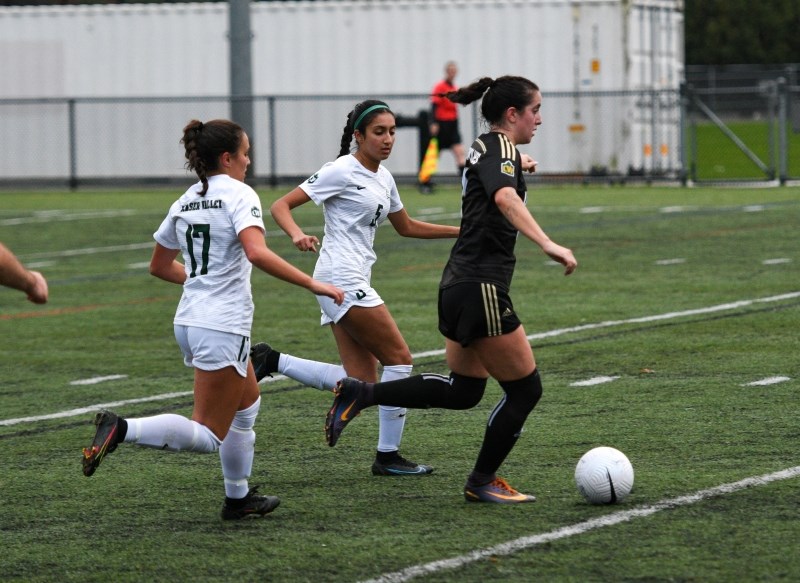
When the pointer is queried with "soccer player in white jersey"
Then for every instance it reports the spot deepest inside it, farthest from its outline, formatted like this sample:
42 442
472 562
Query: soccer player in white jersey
217 227
357 194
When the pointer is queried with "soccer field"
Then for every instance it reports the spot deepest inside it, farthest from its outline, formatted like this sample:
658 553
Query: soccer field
676 341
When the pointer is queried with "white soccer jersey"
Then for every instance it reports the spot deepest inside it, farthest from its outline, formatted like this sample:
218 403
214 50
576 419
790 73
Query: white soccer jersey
217 292
354 202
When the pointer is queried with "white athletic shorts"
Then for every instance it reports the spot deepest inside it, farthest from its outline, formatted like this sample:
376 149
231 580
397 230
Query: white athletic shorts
366 297
208 349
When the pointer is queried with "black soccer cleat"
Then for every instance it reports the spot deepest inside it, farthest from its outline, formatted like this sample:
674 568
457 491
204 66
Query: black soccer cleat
400 466
105 441
346 406
253 504
261 354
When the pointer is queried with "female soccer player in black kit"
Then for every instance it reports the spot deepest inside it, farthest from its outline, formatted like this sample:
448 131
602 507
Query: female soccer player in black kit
484 336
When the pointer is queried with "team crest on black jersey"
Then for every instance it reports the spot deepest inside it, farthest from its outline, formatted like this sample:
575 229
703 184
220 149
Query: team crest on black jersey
256 212
507 167
477 149
473 157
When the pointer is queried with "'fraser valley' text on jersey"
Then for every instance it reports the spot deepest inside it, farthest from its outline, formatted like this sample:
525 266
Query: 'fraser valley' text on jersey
216 293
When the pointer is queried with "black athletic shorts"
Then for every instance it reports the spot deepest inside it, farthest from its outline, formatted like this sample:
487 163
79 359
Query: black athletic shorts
448 134
473 310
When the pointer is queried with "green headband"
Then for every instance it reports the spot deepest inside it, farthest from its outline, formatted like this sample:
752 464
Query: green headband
366 111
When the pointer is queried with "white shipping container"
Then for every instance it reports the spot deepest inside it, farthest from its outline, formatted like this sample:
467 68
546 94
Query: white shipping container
366 48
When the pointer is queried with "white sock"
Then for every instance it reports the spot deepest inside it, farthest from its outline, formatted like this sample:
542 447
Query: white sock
172 432
320 375
392 420
237 451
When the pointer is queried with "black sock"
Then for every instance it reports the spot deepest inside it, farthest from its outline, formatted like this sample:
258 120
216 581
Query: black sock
479 479
272 360
506 421
122 429
235 502
386 456
427 390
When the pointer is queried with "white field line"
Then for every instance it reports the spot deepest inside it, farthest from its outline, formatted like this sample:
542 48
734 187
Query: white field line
95 380
94 408
644 319
526 542
127 247
593 381
137 246
767 381
439 352
60 215
676 261
428 214
90 251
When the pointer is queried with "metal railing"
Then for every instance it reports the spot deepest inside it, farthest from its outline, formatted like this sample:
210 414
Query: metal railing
611 136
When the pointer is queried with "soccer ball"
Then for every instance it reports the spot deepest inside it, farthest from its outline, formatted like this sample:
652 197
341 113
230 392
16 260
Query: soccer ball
604 475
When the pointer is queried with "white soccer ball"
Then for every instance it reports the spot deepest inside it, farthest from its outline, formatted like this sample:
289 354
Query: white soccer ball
604 475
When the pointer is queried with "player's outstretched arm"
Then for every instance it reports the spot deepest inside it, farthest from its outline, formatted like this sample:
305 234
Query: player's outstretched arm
14 275
255 247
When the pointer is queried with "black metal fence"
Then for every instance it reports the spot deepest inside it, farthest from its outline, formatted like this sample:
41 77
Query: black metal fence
701 133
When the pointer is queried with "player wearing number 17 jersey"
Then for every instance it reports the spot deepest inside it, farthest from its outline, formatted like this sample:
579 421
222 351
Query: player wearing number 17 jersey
216 293
217 228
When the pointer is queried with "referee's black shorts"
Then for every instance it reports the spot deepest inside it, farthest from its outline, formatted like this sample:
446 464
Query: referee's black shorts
448 134
473 310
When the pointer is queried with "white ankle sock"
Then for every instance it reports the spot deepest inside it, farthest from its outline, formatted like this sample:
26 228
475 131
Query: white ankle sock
172 432
320 375
392 420
237 451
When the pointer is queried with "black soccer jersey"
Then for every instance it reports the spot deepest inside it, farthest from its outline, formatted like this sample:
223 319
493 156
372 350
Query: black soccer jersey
484 250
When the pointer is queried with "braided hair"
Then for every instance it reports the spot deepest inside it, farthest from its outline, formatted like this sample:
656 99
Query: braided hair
206 142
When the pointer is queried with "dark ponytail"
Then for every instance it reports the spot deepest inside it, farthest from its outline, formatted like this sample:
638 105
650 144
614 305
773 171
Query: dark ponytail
206 142
498 95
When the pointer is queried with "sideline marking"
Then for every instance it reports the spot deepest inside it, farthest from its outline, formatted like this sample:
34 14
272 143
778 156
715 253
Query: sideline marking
767 381
676 261
95 380
643 319
674 209
60 215
40 264
89 251
525 542
440 351
776 261
94 408
593 381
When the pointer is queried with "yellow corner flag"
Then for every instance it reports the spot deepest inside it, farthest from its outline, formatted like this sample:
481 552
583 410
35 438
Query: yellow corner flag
430 162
